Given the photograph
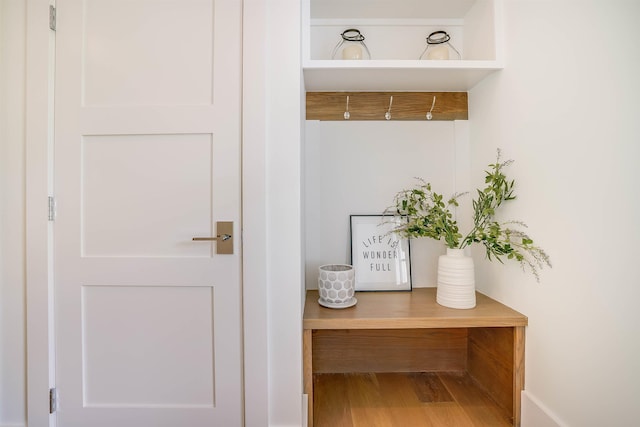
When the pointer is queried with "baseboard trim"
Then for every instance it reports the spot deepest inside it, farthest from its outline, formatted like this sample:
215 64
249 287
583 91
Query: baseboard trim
305 410
536 414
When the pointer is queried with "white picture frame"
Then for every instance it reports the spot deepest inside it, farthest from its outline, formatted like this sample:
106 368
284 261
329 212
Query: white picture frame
381 258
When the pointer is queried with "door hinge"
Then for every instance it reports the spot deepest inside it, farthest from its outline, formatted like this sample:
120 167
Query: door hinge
52 17
52 208
53 400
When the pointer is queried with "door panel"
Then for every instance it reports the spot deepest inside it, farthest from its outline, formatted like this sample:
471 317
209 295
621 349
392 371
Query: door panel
148 52
156 364
147 156
146 195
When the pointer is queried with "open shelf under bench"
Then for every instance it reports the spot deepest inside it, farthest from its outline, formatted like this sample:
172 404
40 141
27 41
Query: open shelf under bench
409 332
404 399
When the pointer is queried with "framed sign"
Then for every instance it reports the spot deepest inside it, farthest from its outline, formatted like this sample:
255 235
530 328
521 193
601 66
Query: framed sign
379 256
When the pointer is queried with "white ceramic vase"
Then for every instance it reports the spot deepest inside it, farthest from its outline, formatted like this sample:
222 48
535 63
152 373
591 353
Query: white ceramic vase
456 280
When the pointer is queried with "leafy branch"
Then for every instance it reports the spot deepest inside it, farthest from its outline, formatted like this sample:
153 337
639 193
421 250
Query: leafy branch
427 215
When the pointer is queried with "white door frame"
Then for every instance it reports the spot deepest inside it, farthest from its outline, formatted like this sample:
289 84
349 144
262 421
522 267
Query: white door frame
39 116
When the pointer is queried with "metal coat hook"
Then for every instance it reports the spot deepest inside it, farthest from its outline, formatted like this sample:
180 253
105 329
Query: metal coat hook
387 115
346 113
429 114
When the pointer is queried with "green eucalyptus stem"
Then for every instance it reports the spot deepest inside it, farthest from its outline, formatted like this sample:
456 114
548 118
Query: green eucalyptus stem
427 215
497 191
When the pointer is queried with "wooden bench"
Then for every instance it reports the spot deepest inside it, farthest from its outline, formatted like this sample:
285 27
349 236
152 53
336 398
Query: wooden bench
410 332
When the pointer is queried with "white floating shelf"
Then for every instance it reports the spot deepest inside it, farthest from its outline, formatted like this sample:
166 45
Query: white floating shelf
395 32
396 75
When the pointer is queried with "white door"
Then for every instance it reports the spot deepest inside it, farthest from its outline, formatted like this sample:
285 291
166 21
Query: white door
147 156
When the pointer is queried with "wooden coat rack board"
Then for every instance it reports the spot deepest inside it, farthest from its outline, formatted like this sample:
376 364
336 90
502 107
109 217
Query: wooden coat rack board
374 105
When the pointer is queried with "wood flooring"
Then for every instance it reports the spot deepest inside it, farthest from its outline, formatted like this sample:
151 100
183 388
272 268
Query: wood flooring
422 399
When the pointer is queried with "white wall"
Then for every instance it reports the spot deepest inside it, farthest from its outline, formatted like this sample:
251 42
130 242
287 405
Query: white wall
566 109
12 222
284 229
356 168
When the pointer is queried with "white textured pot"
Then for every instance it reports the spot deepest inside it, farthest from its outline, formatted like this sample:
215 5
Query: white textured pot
336 286
456 280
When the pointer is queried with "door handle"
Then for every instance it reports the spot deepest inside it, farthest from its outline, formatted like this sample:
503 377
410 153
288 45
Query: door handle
223 238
